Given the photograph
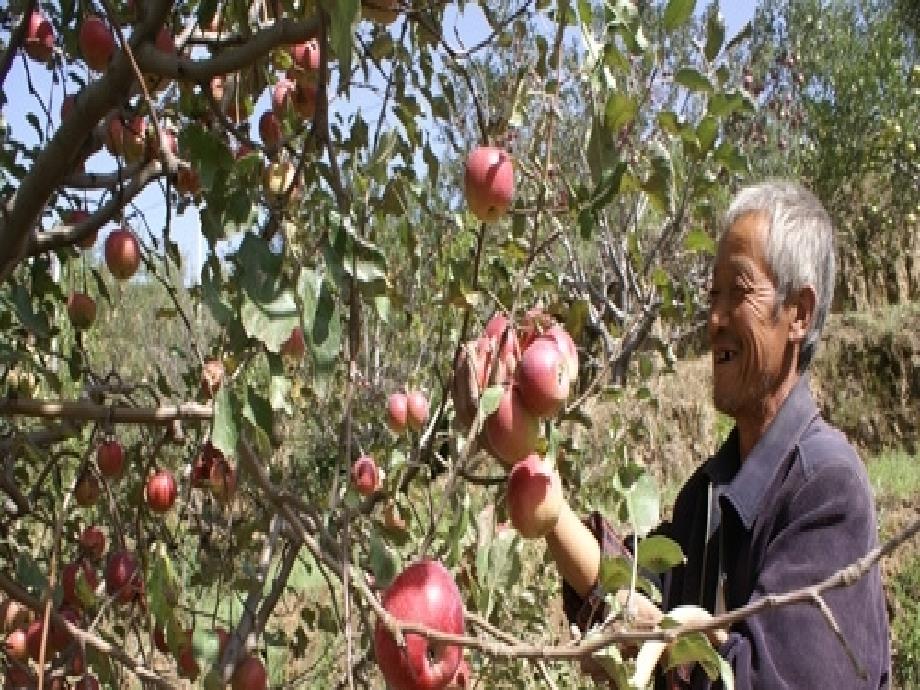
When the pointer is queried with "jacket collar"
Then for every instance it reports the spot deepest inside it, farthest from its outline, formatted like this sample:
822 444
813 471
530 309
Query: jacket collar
745 484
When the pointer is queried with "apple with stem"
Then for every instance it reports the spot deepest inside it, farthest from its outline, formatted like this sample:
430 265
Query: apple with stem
161 491
365 475
122 253
398 412
110 458
39 39
425 593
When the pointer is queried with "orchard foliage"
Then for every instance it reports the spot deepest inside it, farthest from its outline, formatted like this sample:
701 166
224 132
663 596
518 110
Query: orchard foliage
320 147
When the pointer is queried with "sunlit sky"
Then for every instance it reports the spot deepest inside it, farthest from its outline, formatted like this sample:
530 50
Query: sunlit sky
471 27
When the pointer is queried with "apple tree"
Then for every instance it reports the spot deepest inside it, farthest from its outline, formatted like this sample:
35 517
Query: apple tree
432 234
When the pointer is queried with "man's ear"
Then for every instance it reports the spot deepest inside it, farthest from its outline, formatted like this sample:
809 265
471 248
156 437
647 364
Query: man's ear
803 304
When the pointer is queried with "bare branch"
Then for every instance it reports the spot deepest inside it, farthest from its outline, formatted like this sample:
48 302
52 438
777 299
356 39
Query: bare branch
85 410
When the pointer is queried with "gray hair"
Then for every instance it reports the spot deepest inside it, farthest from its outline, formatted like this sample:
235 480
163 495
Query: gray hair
800 247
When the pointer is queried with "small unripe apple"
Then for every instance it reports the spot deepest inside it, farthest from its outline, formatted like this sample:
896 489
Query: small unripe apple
122 253
39 38
365 476
81 310
424 593
512 431
534 497
489 182
543 378
87 490
96 43
161 491
250 674
417 407
122 576
92 542
110 458
398 412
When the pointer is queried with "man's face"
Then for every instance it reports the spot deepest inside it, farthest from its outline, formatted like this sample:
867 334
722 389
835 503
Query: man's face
749 336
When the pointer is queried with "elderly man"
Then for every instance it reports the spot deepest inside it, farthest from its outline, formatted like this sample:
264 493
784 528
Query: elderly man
785 501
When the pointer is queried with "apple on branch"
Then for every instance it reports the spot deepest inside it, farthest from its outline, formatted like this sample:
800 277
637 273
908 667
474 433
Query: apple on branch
39 40
534 496
489 182
96 43
122 253
81 310
424 593
161 491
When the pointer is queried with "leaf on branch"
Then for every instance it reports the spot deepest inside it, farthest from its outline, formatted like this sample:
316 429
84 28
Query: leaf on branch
677 13
715 35
490 400
694 648
659 554
225 429
693 80
620 110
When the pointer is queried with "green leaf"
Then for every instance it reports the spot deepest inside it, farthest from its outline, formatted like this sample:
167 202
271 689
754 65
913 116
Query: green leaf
384 561
270 322
706 133
615 573
659 554
642 505
669 122
162 586
693 80
694 648
225 431
715 35
345 15
731 158
678 12
326 334
698 240
30 575
490 399
619 111
258 411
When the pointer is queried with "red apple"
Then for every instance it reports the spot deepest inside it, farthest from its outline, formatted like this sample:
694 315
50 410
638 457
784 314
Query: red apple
364 475
201 468
398 412
469 381
161 491
380 11
543 378
489 182
424 593
15 645
567 347
294 346
92 542
81 310
534 497
417 404
96 43
185 660
18 677
34 640
122 253
39 39
512 431
69 575
250 674
87 490
270 129
306 56
110 458
504 341
122 576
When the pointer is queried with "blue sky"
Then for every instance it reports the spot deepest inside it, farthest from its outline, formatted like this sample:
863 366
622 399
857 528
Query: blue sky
471 26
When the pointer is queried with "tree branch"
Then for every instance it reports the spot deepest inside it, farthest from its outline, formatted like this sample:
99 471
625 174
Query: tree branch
85 410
